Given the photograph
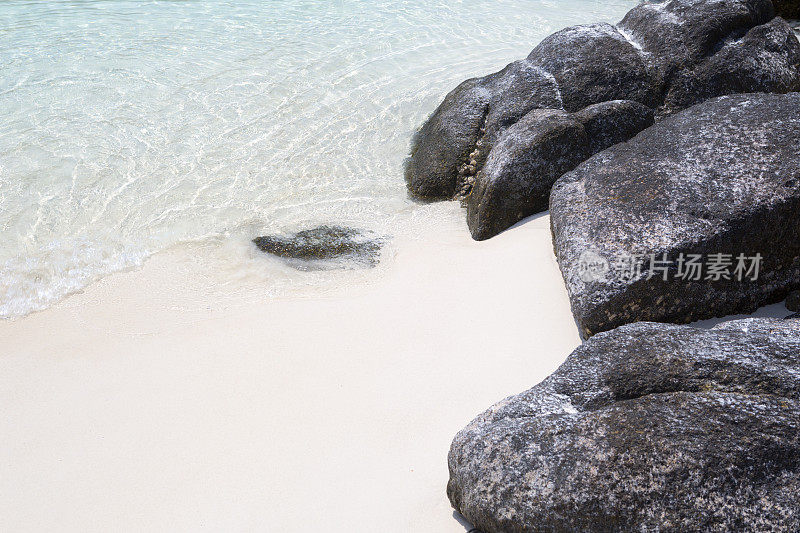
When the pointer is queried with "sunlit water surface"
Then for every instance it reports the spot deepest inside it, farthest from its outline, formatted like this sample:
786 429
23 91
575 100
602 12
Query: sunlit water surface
129 127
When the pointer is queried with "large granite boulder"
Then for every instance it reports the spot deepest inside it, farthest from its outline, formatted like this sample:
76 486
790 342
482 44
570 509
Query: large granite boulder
766 58
695 217
663 55
594 63
650 427
677 34
464 124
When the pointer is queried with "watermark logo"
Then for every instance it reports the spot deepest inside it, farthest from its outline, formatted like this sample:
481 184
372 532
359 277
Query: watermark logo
592 266
685 267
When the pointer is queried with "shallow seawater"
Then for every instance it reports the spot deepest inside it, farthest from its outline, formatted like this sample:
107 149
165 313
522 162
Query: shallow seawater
130 127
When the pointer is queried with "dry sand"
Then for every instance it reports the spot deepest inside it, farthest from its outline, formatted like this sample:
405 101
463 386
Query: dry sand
173 399
162 399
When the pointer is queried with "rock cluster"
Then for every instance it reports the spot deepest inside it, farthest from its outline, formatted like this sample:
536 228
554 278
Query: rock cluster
650 427
545 143
667 149
488 142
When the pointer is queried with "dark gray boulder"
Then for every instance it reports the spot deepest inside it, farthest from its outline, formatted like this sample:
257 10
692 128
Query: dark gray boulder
324 243
793 301
465 123
545 143
529 156
650 427
722 177
663 55
677 34
595 63
612 122
765 59
788 9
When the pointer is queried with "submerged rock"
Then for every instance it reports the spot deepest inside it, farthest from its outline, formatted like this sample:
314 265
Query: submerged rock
324 243
639 227
663 55
650 427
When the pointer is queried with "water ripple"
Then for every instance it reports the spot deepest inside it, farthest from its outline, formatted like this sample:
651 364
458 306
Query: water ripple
130 126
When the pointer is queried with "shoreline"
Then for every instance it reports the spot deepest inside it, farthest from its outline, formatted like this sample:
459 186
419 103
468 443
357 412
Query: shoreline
143 409
213 387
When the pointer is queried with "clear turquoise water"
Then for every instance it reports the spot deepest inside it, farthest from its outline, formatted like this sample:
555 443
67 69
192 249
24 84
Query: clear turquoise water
131 126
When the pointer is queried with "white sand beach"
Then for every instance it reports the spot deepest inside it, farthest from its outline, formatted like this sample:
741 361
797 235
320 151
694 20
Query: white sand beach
162 399
159 372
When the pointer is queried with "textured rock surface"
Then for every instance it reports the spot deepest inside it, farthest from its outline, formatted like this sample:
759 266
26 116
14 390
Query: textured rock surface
663 55
650 427
720 177
793 301
788 9
465 122
678 34
765 59
594 63
530 155
324 243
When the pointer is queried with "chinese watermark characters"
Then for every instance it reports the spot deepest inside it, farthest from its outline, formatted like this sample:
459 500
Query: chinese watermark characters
685 267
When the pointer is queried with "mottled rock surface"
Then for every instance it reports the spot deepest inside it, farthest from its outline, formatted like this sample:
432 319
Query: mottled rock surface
324 243
470 117
663 55
788 9
765 59
650 427
594 63
793 301
722 177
